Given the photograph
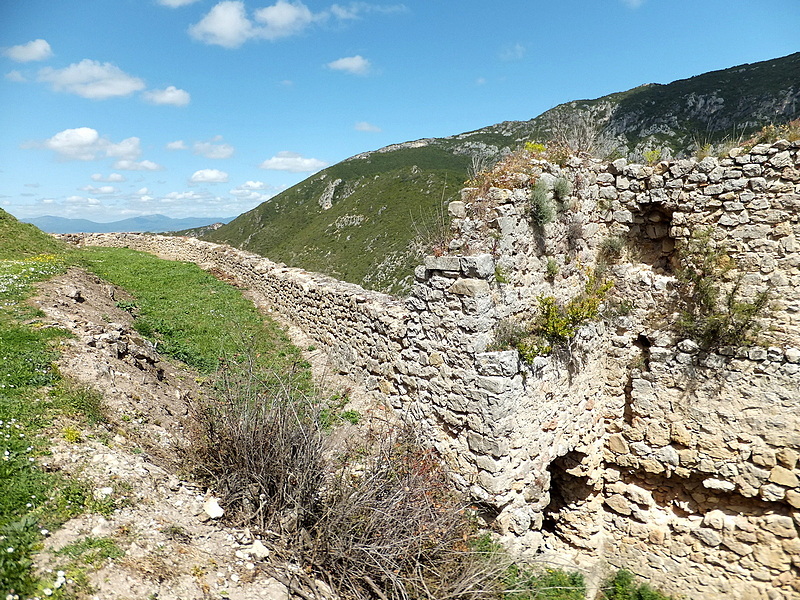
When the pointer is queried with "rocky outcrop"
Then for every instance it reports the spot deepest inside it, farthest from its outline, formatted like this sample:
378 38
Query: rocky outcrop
632 446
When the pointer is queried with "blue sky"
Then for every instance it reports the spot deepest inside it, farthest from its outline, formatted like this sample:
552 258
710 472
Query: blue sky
117 108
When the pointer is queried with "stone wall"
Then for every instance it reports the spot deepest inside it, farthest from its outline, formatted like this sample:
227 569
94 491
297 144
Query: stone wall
631 447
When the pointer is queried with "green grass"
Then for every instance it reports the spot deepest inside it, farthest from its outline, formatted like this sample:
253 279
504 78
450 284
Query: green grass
194 317
19 240
32 395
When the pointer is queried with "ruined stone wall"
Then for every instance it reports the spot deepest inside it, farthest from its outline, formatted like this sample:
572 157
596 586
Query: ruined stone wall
630 447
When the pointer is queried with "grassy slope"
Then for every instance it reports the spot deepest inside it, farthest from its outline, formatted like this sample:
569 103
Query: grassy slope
402 206
395 201
185 309
18 240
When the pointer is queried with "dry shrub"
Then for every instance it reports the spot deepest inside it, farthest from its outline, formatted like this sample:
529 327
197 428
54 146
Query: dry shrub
263 451
376 520
393 527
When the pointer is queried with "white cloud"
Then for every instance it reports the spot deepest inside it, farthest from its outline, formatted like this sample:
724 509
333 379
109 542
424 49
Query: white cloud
225 25
176 3
480 81
513 52
209 176
171 95
283 19
35 50
173 196
176 145
132 165
251 191
92 79
103 189
633 3
211 150
113 178
293 162
85 143
369 127
16 76
356 65
127 149
82 143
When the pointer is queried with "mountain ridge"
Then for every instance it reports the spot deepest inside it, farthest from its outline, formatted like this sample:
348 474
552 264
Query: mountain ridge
369 218
152 223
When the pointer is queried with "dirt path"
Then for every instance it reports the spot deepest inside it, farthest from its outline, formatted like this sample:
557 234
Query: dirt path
165 542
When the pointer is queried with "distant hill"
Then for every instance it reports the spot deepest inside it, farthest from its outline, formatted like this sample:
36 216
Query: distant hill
368 218
18 239
150 223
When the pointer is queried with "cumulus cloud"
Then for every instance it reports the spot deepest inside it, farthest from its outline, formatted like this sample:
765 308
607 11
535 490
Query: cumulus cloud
35 50
92 79
172 96
292 162
253 191
369 127
133 165
103 189
176 145
81 143
283 19
228 24
85 143
16 76
355 65
209 176
176 3
225 25
211 150
112 178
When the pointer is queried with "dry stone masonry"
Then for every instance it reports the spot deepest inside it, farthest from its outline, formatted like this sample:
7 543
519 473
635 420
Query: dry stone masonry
633 447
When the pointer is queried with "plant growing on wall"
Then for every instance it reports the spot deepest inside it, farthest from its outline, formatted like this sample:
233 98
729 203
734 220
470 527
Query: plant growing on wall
555 323
714 314
542 209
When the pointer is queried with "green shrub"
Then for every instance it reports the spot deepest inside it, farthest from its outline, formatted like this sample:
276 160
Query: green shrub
552 268
713 313
549 584
651 157
561 189
611 248
542 209
623 586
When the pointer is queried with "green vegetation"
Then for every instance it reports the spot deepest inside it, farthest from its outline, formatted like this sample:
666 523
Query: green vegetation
32 396
388 200
21 240
192 316
623 586
714 314
555 324
387 211
542 210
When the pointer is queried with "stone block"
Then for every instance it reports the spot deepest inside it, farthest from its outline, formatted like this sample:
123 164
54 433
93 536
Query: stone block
469 287
457 209
708 536
443 263
783 476
618 504
480 266
780 526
